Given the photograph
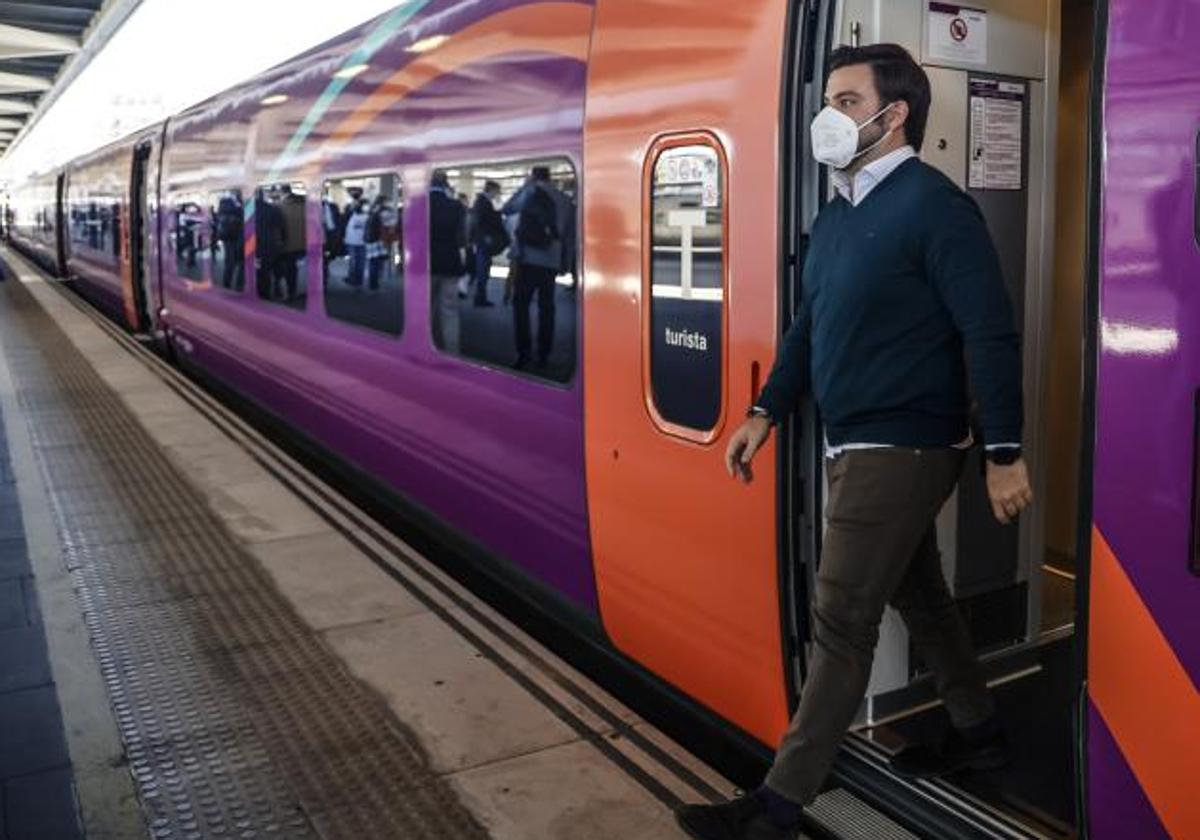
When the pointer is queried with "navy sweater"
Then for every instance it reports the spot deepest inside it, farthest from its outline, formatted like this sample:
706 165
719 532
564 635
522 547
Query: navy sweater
894 291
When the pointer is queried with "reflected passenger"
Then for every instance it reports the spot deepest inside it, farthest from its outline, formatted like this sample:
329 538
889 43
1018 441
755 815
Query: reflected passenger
544 248
269 230
376 250
447 238
332 229
291 206
355 237
229 234
489 238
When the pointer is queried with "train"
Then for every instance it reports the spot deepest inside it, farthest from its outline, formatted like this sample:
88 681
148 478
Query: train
590 479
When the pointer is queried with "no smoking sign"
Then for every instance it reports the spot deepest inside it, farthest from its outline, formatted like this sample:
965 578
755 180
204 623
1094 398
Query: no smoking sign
956 33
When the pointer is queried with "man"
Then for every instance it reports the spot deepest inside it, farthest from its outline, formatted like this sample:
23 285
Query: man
269 234
900 278
230 223
447 237
295 239
488 236
544 248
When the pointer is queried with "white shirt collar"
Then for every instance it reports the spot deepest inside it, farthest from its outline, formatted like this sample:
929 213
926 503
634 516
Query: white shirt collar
870 176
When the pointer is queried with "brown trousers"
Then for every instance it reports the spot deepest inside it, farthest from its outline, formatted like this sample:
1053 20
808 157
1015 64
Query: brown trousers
880 548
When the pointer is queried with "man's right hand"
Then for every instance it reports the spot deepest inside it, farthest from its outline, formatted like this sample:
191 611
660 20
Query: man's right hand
746 441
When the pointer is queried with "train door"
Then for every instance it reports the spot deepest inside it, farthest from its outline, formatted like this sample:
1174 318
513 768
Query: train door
60 214
1143 705
137 305
1008 124
682 252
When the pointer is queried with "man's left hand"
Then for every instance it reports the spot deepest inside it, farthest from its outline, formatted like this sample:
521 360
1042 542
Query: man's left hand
1008 489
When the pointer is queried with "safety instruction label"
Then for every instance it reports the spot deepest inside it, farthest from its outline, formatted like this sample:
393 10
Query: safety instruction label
996 142
956 33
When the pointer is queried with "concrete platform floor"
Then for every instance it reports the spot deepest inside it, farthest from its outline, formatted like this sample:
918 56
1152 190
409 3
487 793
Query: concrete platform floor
528 746
37 786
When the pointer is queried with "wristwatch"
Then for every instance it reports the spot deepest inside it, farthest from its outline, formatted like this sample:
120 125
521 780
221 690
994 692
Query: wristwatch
759 411
1003 455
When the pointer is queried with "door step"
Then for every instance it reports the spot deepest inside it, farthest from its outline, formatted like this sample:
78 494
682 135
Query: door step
846 817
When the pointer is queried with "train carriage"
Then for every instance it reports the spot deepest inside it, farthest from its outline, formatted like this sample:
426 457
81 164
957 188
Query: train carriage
276 240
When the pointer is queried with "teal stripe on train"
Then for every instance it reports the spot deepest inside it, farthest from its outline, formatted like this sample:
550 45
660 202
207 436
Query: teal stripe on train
370 45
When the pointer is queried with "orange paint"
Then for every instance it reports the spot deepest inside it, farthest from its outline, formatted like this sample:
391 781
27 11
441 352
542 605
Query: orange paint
559 28
685 558
1146 697
129 303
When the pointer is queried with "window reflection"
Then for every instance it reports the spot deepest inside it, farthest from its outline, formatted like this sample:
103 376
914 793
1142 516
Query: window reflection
208 237
687 286
190 237
363 251
281 244
93 216
503 265
226 239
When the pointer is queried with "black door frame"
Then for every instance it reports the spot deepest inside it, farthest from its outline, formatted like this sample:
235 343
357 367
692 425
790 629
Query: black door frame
139 194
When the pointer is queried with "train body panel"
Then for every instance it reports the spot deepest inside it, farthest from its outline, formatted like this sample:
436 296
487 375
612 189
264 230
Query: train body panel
97 210
506 86
1144 621
676 87
599 476
35 218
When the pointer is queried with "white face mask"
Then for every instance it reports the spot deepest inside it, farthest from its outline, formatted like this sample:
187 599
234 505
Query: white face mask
835 136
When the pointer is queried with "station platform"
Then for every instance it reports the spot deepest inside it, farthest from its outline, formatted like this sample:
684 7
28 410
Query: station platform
199 637
238 651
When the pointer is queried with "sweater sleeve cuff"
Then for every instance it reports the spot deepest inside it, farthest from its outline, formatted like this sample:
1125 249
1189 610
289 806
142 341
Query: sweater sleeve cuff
1002 436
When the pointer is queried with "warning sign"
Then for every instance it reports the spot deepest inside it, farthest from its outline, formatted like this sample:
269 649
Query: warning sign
956 33
997 134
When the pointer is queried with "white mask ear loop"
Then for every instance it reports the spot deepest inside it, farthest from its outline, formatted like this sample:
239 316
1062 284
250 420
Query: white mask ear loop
867 122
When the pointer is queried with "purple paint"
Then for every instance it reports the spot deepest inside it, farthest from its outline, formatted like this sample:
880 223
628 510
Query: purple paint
1118 808
496 456
1149 367
1149 362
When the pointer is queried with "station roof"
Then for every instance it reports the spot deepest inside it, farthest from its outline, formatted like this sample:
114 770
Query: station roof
37 38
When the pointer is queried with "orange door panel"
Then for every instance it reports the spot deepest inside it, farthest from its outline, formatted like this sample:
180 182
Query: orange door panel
686 559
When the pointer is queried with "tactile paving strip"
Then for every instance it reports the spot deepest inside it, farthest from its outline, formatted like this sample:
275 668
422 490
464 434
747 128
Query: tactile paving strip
236 721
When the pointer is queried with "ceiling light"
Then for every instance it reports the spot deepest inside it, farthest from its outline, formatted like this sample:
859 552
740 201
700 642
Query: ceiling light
276 99
430 43
351 71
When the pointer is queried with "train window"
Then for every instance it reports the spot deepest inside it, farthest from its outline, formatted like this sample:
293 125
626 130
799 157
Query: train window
362 252
190 237
115 214
94 224
281 243
84 225
503 265
687 285
227 222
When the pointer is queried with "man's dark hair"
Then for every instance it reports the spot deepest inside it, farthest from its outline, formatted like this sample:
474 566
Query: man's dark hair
897 77
440 178
540 173
491 185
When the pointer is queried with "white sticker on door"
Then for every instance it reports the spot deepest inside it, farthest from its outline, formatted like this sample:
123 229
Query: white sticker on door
956 33
997 134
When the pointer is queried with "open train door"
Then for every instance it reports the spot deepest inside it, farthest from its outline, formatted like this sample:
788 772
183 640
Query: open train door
137 292
60 227
682 262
